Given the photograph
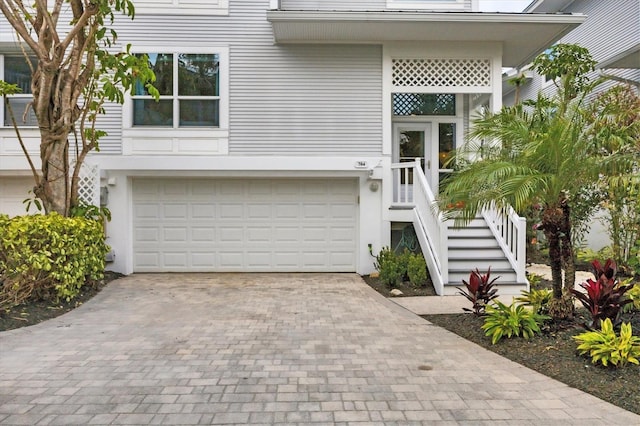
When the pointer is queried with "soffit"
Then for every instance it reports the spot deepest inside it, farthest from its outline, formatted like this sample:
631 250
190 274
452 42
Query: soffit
522 36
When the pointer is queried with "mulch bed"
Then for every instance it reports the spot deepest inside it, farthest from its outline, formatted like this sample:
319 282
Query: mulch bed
552 353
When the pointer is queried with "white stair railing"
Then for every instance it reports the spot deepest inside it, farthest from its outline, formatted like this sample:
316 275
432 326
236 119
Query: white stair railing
411 190
510 230
402 184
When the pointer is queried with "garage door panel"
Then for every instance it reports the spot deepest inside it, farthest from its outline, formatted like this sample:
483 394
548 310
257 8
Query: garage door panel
231 211
244 225
259 211
205 234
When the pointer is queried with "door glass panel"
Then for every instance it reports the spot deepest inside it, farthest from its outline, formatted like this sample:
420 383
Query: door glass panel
411 146
446 143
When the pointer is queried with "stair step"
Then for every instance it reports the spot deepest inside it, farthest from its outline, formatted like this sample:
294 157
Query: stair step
484 254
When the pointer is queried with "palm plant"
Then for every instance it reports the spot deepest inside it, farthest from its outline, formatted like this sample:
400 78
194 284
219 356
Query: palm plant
545 160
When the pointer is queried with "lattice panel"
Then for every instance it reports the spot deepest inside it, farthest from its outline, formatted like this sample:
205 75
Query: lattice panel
424 104
441 72
89 184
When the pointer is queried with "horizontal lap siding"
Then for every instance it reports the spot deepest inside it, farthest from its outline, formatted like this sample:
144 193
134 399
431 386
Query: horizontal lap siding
306 99
611 28
284 100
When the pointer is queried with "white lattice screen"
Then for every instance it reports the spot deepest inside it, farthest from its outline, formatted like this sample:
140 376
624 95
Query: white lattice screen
426 72
89 184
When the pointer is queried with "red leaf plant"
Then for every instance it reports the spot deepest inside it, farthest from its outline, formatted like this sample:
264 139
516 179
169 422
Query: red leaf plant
479 291
604 296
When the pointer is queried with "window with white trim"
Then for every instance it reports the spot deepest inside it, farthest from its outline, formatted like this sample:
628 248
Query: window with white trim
427 4
182 7
16 70
189 86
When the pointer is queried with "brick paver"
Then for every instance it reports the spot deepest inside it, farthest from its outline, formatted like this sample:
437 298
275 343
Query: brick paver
267 349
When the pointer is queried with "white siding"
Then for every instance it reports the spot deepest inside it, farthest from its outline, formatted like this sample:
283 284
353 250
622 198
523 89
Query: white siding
611 28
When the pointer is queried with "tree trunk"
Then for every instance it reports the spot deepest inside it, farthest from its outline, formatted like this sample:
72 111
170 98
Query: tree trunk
551 218
53 190
567 248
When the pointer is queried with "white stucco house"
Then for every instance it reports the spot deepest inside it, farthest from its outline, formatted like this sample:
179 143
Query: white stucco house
296 151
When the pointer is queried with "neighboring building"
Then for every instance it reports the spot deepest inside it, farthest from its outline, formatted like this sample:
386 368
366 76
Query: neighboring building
611 32
286 134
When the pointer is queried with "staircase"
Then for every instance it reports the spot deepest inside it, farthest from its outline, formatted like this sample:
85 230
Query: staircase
475 246
496 238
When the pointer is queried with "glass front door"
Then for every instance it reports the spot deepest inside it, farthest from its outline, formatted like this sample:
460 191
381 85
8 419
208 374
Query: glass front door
413 141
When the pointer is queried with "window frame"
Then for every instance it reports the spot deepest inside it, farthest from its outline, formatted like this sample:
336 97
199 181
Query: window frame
182 7
175 129
29 96
427 4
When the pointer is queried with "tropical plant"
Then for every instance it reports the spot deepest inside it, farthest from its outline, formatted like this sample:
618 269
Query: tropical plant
634 295
614 118
479 291
390 267
546 158
417 269
603 297
606 347
513 320
538 299
76 70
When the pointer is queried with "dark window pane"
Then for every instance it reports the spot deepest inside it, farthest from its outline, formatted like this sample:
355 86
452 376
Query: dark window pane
17 71
162 66
148 112
194 113
424 104
19 106
198 75
446 143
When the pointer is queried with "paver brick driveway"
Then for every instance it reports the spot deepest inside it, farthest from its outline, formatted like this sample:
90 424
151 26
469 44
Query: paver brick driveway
267 348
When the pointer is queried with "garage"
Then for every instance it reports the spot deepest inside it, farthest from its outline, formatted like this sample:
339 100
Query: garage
260 225
13 191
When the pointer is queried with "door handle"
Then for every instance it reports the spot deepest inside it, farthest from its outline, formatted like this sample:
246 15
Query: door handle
429 164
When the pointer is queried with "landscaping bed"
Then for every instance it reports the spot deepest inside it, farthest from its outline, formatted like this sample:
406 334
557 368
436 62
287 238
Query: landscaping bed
553 353
32 313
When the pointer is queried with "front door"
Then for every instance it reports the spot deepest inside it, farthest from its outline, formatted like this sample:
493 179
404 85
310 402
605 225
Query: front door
411 141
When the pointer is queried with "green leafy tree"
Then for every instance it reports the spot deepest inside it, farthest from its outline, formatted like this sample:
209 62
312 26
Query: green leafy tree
546 160
615 121
77 70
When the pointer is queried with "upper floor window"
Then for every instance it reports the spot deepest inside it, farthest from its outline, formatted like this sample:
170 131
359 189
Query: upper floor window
189 86
429 4
182 7
17 70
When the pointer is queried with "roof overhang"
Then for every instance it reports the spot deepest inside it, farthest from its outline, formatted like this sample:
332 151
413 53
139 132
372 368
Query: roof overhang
630 58
547 6
523 36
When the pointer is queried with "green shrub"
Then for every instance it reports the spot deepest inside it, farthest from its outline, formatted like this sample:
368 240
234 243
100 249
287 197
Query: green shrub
604 346
45 257
537 299
417 269
534 279
633 295
513 320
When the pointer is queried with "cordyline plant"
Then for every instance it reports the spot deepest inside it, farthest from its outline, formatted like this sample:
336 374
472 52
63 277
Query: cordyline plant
604 297
479 291
74 73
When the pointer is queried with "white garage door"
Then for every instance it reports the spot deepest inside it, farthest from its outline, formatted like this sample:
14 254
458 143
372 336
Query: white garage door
244 225
13 191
